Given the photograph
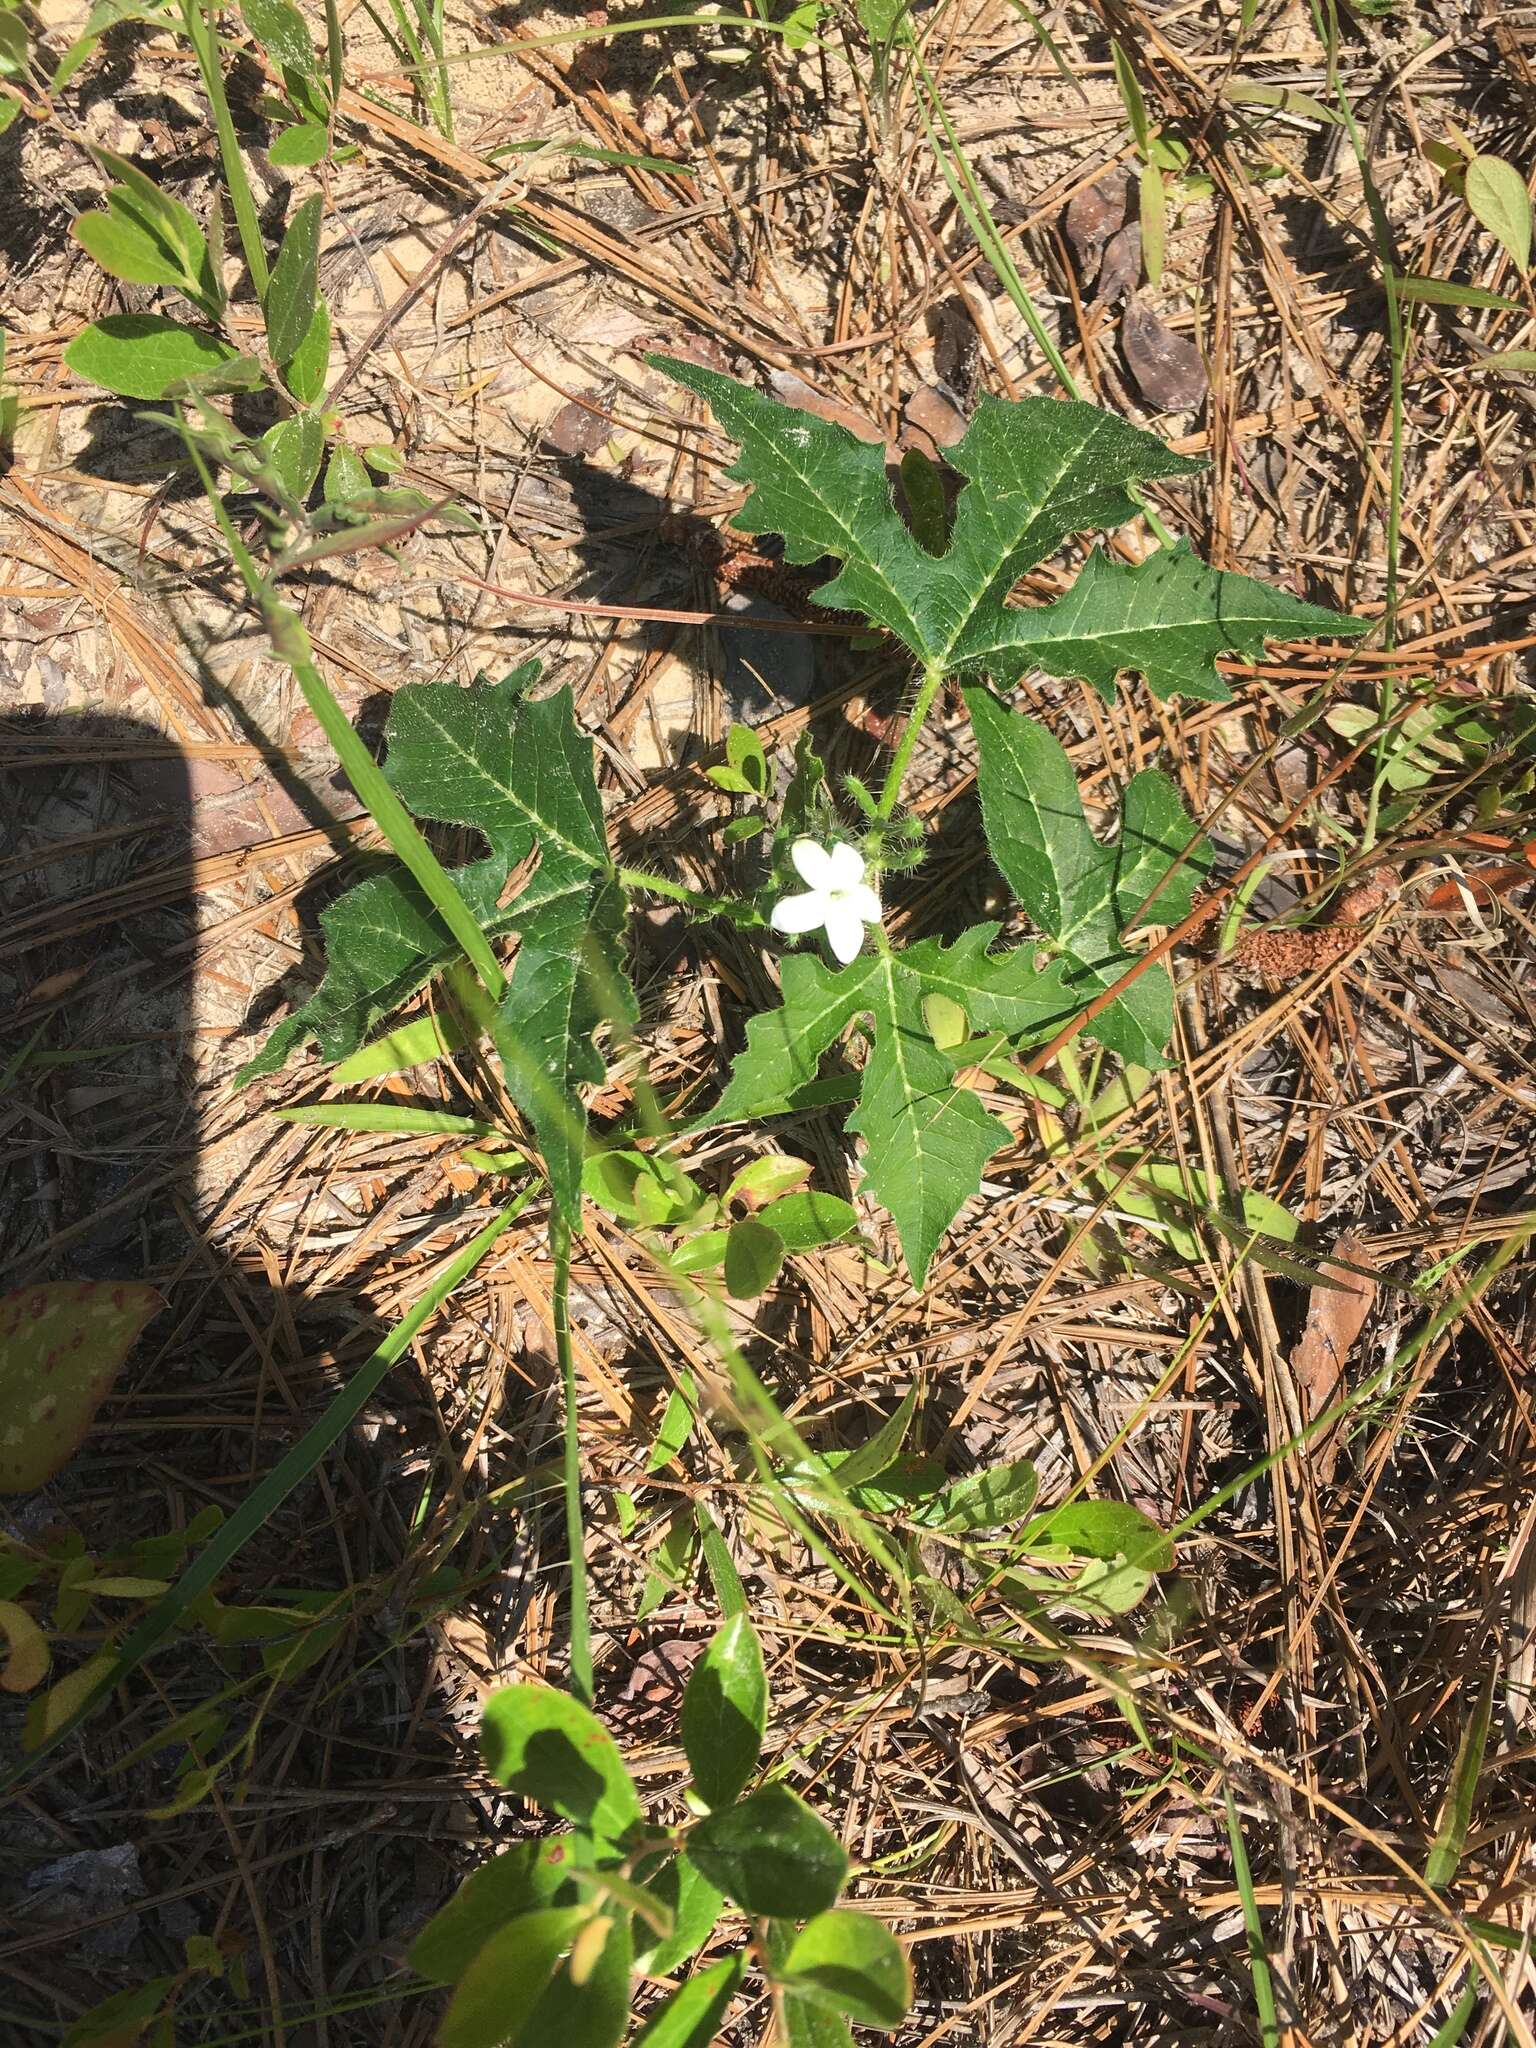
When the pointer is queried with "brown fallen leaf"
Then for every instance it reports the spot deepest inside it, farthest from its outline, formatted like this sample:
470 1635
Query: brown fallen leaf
579 429
1121 271
1482 885
1335 1317
792 390
1093 216
1167 368
931 423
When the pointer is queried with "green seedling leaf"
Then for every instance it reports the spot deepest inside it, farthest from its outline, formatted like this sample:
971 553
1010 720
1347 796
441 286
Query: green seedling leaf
683 1890
27 1657
671 1564
1498 199
1079 893
290 303
127 246
806 1220
1106 1529
882 1449
121 2020
766 1178
62 1345
521 772
853 1964
548 1747
928 1138
529 1877
993 1499
744 752
466 1016
771 1855
1285 99
141 355
723 1574
1037 471
1154 223
725 1712
306 369
691 2017
298 147
294 448
679 1415
754 1252
702 1254
1130 95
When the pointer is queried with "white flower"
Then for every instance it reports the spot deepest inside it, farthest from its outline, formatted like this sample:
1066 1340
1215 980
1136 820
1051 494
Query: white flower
839 901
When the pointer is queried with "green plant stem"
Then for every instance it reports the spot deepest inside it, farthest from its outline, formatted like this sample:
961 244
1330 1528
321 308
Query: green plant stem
581 1625
741 914
890 790
1258 1954
205 48
291 642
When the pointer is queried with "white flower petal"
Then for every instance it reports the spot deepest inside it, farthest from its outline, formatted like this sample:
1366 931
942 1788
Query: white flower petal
813 863
864 901
845 932
847 866
800 913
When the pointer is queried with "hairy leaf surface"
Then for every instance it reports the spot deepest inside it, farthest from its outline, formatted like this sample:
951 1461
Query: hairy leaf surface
1080 893
521 773
927 1137
1038 470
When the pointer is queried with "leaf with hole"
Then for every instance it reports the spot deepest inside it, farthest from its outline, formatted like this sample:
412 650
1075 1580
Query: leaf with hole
62 1345
551 1749
725 1711
1037 471
771 1854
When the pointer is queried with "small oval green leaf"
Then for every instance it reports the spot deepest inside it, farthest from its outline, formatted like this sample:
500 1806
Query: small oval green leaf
1497 197
298 147
771 1855
754 1252
523 1879
139 355
725 1711
854 1964
546 1746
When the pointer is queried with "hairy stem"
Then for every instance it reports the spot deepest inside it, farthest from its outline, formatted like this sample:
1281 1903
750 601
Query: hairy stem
890 790
581 1627
696 899
205 47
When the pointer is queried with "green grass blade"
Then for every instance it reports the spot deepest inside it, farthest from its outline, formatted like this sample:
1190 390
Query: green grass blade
1456 1810
1258 1953
263 1502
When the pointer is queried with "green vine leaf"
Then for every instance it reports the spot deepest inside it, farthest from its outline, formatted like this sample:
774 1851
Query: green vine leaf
1080 893
520 772
927 1137
1038 470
